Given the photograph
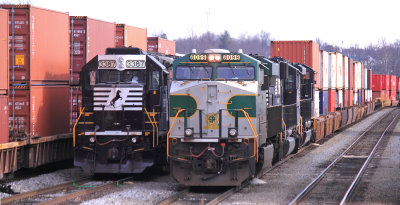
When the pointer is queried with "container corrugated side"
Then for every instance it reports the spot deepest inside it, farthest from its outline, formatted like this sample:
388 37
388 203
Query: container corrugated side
340 103
160 45
331 100
305 52
325 69
4 131
398 84
131 36
39 44
393 82
339 71
365 86
351 74
316 104
377 82
351 98
385 82
346 72
357 76
332 71
369 79
346 97
323 102
4 55
355 98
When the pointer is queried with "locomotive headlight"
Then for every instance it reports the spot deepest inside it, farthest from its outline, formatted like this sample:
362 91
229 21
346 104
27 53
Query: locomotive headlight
188 132
133 140
232 132
91 139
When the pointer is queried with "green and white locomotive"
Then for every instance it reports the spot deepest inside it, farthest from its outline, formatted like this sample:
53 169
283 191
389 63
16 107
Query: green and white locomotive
227 116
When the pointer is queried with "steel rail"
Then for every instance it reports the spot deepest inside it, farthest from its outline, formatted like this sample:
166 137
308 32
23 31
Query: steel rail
310 186
359 174
173 198
34 193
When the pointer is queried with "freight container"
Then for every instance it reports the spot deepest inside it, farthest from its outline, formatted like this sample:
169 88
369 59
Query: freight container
39 110
160 45
369 79
393 82
365 78
357 76
359 97
362 76
355 98
38 44
393 95
398 84
339 71
346 97
75 103
377 82
332 71
387 95
385 82
346 72
370 95
4 131
89 37
362 96
331 100
323 102
126 36
316 104
351 98
340 99
4 78
351 74
325 62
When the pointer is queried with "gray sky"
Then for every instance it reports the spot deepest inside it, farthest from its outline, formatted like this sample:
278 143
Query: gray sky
352 21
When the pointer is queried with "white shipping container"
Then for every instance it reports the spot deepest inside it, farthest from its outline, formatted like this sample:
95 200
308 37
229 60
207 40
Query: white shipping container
340 98
339 70
346 72
355 98
316 104
357 76
365 79
332 71
325 70
369 95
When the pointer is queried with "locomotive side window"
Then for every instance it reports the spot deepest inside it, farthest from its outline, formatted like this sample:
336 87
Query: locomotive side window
193 72
154 80
133 76
236 73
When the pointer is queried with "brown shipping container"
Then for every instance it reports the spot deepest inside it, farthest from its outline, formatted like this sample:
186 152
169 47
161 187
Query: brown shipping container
362 77
346 97
126 36
304 52
40 110
39 47
351 74
4 118
160 45
369 77
351 98
4 78
90 37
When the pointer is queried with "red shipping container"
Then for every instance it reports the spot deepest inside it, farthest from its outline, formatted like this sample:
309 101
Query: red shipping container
351 98
160 45
393 95
387 94
378 94
4 131
90 37
393 85
331 100
39 46
385 82
130 36
346 98
398 84
369 78
4 78
304 52
351 74
363 97
40 110
377 82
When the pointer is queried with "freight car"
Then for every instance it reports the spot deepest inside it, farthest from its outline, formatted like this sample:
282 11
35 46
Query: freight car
232 114
123 122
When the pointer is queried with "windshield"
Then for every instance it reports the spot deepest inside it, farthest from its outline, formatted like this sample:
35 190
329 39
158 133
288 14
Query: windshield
193 72
235 73
126 76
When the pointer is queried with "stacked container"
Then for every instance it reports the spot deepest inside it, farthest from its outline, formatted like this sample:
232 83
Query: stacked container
38 69
89 37
160 45
332 82
324 83
4 76
126 36
339 80
393 87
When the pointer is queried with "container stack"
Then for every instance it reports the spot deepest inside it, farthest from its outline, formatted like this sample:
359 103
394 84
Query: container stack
324 85
127 36
161 46
393 87
398 88
39 71
4 76
89 37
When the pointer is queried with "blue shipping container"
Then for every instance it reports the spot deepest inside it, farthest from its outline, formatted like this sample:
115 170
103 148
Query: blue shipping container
359 97
323 102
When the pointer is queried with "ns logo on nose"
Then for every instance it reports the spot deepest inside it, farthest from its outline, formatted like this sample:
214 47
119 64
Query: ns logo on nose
117 97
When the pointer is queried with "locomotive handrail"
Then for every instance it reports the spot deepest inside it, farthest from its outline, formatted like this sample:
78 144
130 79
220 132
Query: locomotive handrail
254 133
284 124
155 123
169 131
81 110
151 121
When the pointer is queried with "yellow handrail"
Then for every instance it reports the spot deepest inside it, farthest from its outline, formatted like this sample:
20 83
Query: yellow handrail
254 133
169 131
285 127
300 131
151 121
155 123
77 120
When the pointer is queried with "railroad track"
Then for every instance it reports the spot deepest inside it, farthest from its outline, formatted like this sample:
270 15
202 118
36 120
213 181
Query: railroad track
72 192
336 183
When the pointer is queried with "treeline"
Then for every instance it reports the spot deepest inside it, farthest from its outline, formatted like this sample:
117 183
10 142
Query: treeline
382 57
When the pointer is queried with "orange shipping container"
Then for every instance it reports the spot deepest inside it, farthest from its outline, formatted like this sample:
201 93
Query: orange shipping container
351 98
304 52
4 79
39 44
90 37
331 100
160 45
3 118
40 110
130 36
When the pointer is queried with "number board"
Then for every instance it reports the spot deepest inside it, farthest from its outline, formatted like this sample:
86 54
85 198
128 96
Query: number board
107 64
230 57
135 64
198 57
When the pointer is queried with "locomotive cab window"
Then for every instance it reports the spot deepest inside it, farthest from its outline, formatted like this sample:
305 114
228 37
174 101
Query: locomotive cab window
109 76
154 80
236 73
133 76
193 72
